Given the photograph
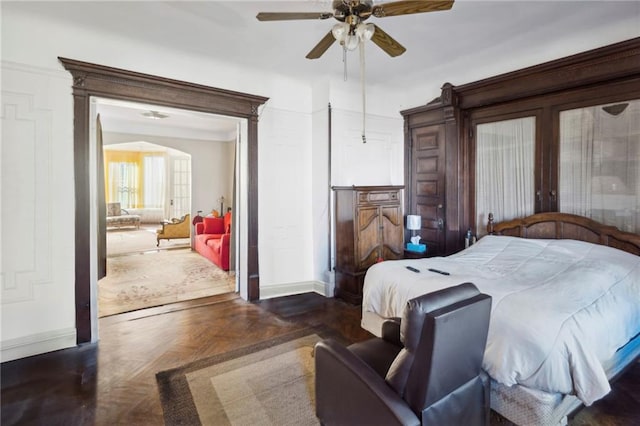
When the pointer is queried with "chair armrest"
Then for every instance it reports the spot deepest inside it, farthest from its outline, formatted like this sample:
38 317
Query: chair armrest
199 228
391 331
348 391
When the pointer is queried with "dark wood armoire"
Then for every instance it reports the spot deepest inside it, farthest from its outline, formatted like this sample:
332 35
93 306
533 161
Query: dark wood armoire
369 228
440 145
433 177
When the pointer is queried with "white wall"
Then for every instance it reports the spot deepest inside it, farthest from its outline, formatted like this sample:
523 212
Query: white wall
321 206
37 214
37 304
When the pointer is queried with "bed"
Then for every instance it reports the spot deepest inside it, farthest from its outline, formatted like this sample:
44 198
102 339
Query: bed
565 314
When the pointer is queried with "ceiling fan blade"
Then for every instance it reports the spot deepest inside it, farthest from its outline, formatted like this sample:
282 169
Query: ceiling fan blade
411 6
321 47
288 16
387 43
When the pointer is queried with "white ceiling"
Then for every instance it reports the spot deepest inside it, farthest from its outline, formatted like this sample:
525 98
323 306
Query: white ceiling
473 40
127 117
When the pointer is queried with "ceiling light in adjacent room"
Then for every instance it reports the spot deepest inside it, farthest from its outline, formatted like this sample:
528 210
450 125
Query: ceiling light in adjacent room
154 115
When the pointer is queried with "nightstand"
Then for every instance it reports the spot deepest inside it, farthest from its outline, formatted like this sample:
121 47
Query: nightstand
409 254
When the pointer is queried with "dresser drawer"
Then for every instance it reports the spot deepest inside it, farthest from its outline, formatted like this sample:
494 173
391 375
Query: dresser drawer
378 197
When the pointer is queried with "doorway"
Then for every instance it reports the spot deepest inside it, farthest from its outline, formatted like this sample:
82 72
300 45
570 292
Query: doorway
156 161
97 80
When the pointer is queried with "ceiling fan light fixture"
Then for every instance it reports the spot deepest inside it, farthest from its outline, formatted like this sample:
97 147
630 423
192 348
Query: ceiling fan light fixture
352 13
351 42
365 31
340 31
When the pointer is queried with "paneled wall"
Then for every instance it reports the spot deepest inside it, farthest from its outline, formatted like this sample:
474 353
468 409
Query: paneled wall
37 212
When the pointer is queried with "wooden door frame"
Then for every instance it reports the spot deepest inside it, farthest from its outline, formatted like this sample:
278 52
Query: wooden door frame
102 81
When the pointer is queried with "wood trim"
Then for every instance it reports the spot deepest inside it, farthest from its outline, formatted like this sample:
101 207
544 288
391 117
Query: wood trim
563 225
609 63
442 111
595 77
599 76
98 80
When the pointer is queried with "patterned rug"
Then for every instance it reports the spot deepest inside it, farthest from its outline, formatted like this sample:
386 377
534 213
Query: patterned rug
157 278
131 240
271 383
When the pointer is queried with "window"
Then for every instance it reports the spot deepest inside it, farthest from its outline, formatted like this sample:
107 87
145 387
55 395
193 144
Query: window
599 171
123 184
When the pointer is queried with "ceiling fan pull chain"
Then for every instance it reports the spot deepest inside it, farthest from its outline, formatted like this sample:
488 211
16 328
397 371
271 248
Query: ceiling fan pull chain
344 62
364 99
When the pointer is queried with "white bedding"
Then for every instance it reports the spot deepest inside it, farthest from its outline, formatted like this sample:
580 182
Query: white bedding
560 307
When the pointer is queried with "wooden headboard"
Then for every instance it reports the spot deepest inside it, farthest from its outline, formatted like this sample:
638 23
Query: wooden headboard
566 226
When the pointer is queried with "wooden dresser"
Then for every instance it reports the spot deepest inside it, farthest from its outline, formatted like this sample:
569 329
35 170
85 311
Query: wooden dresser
369 228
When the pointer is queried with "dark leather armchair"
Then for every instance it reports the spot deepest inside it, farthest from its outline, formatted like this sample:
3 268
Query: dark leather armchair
426 368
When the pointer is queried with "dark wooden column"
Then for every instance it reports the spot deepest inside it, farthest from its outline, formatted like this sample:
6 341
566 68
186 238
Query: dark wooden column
252 206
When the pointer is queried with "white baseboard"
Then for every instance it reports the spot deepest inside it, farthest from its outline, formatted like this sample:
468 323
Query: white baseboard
36 344
279 290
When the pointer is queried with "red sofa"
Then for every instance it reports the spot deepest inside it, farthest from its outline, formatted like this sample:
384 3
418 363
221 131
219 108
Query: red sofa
212 239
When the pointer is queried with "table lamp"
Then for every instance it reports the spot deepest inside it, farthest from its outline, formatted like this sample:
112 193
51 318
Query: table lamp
414 223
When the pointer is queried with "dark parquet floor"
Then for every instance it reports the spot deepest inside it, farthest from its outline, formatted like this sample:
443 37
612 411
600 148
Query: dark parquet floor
113 382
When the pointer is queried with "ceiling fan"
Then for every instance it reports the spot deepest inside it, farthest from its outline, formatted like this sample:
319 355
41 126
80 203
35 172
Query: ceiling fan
352 28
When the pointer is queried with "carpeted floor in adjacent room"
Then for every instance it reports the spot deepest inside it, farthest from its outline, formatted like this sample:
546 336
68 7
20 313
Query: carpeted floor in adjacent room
140 275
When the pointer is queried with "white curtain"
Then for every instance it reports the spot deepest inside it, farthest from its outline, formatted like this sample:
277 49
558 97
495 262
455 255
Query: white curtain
576 161
600 164
123 184
505 159
154 181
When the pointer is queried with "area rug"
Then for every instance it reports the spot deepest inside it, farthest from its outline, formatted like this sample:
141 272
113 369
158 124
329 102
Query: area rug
271 383
131 240
157 278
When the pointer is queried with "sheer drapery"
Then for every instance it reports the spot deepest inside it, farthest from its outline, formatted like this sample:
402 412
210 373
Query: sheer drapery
154 181
576 161
505 158
600 164
123 184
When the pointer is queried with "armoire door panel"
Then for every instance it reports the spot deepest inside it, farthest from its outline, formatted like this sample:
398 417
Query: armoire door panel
392 232
427 188
426 137
428 181
367 216
368 238
369 257
429 234
427 164
427 210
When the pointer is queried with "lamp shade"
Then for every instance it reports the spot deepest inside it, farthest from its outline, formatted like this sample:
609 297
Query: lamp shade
340 31
365 31
414 222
